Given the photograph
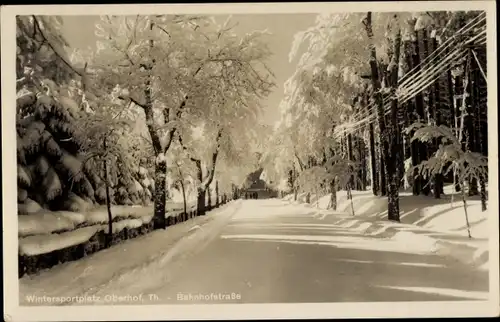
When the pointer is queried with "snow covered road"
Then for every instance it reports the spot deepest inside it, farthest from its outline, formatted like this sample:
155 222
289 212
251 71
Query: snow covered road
258 251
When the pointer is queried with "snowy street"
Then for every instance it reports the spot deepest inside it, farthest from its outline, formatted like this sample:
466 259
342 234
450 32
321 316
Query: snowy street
260 251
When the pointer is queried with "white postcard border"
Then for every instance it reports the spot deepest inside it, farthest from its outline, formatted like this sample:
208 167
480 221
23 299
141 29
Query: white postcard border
14 312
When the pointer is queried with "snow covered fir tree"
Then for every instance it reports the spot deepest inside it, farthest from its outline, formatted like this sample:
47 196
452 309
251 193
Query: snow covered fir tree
177 130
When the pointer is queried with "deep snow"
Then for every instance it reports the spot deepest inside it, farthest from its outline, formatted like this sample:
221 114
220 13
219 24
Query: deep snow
422 211
438 223
46 231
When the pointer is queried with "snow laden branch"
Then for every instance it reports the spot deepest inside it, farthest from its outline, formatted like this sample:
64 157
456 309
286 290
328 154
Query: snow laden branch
450 156
205 180
177 70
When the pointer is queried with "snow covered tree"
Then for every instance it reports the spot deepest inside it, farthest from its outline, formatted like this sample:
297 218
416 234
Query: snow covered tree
408 57
57 117
449 157
452 154
173 64
48 103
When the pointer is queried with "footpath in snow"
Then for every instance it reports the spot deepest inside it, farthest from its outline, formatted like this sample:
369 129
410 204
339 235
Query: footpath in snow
126 263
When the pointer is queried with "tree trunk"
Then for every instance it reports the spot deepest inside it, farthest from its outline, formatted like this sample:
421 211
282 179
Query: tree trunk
424 153
412 150
473 188
333 196
109 235
290 180
184 202
183 188
373 162
373 157
471 119
294 184
217 193
436 115
452 86
209 198
483 193
350 157
419 151
417 182
478 85
458 90
234 193
160 197
382 172
392 167
362 157
200 205
384 148
464 200
462 131
415 144
349 195
451 99
342 145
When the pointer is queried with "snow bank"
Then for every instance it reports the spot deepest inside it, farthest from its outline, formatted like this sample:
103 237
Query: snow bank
39 232
100 215
122 224
145 214
177 199
41 240
422 211
47 222
42 244
146 219
28 207
407 240
75 217
436 225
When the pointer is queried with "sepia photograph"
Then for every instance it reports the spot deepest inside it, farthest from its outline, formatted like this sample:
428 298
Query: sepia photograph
264 160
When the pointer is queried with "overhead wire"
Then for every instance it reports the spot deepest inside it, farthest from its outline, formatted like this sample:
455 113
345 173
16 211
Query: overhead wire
445 45
422 71
424 77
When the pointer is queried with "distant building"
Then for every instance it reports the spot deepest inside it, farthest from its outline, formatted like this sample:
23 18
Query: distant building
256 188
